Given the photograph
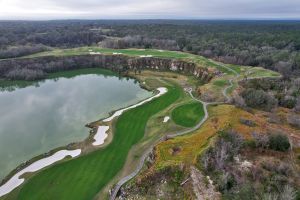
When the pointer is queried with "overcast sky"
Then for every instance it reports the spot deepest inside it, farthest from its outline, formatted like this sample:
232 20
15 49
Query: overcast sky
149 9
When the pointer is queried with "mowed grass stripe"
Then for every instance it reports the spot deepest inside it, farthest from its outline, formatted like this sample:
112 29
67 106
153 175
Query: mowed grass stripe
84 177
188 115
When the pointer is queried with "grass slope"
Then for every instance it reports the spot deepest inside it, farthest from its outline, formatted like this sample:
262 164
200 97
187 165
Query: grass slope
84 177
188 115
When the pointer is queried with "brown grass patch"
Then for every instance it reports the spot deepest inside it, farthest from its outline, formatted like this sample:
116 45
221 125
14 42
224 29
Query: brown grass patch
222 117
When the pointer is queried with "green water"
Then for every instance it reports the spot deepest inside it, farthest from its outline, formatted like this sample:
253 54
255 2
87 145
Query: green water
52 113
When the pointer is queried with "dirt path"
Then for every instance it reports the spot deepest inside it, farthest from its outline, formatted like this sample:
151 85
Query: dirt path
146 154
179 133
225 91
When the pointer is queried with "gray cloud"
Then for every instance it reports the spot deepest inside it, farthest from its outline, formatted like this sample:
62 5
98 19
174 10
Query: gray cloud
99 9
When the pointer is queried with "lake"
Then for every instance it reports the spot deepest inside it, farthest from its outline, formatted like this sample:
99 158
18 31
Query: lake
53 113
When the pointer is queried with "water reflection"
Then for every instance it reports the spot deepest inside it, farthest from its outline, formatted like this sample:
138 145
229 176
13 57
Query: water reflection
52 113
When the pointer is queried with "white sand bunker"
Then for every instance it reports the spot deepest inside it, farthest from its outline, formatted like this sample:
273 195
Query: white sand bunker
166 119
161 90
95 53
15 181
116 53
146 56
101 135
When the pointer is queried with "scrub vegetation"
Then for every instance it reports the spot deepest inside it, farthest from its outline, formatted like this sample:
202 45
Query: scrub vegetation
274 45
246 151
237 150
82 173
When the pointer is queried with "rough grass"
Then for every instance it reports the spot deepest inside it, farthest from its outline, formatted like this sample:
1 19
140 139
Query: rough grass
191 145
221 117
236 68
231 89
220 82
83 177
213 91
11 85
256 72
188 115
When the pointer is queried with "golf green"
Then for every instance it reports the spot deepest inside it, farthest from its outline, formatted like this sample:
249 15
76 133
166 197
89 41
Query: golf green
84 177
188 115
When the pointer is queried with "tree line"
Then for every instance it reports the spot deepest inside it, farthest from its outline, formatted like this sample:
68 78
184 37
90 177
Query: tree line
271 44
38 68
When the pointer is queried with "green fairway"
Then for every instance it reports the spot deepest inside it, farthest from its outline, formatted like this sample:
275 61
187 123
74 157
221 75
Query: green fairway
84 177
220 82
128 52
256 72
188 115
197 59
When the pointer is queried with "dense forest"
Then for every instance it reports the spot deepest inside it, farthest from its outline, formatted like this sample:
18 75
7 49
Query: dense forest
270 44
30 69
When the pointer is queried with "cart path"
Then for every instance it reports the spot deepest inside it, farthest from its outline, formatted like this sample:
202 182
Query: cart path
179 133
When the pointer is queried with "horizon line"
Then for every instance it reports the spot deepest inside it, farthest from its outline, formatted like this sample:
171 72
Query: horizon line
158 19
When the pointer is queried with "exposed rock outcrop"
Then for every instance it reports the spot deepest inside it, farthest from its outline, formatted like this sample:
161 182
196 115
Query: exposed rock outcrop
10 69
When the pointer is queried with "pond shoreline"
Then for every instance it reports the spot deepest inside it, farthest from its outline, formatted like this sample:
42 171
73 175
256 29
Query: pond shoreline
18 179
74 146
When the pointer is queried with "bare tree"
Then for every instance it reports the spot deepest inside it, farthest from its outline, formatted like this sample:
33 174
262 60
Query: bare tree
205 160
297 106
285 68
221 153
238 100
261 140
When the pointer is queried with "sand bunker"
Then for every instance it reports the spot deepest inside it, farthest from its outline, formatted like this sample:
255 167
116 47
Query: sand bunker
95 53
146 56
101 135
161 90
15 181
166 119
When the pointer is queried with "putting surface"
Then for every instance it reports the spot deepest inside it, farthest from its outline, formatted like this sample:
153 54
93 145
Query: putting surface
188 115
84 177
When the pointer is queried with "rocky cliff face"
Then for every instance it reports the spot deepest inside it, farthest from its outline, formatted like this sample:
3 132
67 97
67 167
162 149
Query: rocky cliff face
26 69
170 65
